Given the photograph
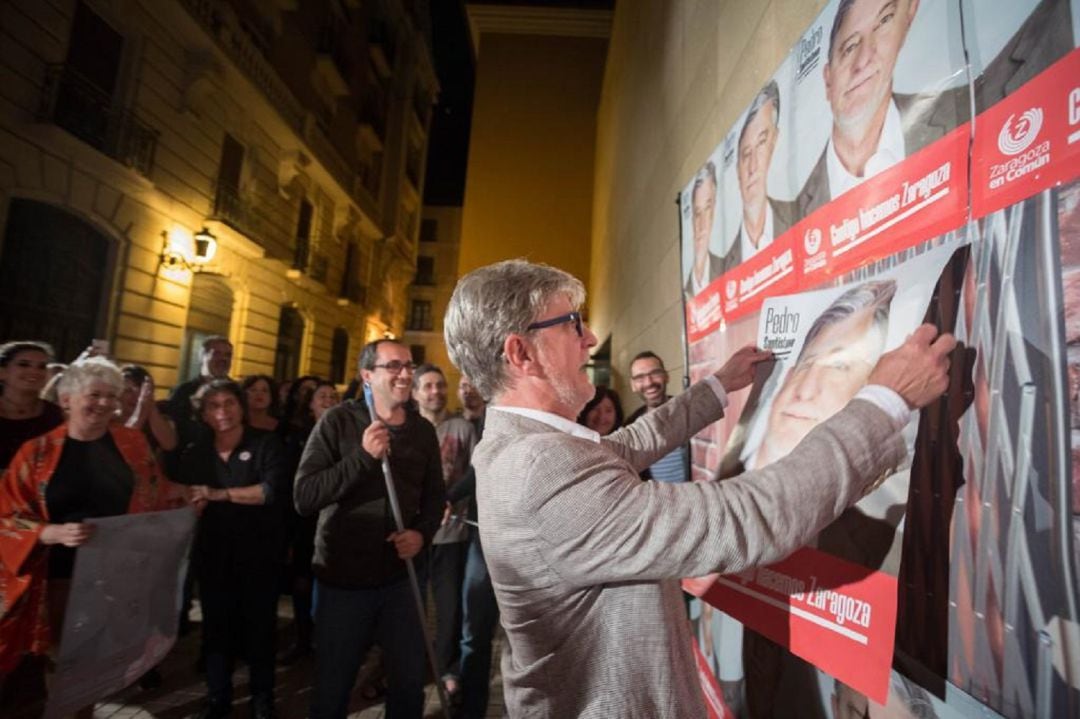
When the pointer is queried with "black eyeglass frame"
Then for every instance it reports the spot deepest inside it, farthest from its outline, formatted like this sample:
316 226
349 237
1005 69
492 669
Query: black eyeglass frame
401 367
574 317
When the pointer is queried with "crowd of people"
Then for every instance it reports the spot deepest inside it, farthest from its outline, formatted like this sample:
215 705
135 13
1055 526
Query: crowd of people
240 451
292 489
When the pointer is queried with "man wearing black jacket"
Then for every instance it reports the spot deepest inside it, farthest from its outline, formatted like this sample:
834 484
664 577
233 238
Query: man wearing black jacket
362 586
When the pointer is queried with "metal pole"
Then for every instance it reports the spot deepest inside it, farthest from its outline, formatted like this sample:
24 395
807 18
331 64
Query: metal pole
395 509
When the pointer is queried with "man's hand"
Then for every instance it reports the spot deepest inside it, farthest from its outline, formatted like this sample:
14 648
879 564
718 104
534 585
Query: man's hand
408 542
72 534
738 371
376 439
917 370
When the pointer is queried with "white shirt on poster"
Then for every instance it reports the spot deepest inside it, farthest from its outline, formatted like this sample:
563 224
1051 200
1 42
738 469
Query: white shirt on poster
890 150
747 248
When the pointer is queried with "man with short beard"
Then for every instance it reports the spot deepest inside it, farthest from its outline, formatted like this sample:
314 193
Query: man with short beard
361 579
585 558
450 545
649 379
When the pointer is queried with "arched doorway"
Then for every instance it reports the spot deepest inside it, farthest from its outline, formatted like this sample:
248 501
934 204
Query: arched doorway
53 271
209 313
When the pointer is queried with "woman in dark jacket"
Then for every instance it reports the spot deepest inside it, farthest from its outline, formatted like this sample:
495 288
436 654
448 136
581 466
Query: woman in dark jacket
240 472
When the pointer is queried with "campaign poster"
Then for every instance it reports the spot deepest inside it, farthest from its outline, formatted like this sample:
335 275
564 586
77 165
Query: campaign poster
833 603
123 608
893 127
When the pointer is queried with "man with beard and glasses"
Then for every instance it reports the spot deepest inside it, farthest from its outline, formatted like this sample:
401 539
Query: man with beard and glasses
450 546
585 558
649 379
361 583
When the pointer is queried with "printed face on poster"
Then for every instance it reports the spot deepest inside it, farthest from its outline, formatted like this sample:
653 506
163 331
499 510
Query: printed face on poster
869 158
868 84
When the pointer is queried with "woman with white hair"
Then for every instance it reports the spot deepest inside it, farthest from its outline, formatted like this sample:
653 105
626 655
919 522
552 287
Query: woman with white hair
87 467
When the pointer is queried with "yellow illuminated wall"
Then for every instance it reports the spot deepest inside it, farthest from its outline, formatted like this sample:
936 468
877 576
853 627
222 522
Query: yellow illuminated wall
677 76
529 187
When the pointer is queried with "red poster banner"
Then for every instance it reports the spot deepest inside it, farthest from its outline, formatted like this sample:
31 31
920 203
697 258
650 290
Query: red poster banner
714 697
922 197
704 312
837 615
1029 141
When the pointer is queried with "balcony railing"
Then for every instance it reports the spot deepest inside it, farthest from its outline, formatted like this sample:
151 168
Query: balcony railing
69 100
234 210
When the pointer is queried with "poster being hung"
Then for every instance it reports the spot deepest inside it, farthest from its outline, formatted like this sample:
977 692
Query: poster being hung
986 585
855 149
833 603
123 608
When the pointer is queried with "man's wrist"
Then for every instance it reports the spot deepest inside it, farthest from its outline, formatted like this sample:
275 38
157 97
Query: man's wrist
887 400
717 387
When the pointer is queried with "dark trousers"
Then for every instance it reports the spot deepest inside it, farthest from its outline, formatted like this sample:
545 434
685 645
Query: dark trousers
447 571
239 619
481 616
347 622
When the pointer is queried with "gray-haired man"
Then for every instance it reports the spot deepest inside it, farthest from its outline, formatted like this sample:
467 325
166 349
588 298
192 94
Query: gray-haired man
585 558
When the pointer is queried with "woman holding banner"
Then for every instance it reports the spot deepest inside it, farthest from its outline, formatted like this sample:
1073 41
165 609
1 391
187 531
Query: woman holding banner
86 467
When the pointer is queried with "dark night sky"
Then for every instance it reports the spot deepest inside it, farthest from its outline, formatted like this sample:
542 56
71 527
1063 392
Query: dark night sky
448 150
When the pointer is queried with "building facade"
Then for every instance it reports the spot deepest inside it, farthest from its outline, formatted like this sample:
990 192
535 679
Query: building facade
178 168
429 294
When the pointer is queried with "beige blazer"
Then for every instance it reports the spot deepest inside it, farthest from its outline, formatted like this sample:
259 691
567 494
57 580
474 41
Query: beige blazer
585 557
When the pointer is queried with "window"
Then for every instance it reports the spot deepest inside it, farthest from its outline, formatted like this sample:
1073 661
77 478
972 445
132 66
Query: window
419 354
425 271
339 352
227 203
420 315
429 230
303 235
289 342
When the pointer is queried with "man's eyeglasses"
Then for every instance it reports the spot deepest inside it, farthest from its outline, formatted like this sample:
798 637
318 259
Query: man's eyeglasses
657 374
395 366
574 317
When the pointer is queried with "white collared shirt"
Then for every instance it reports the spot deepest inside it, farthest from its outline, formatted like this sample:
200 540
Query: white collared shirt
699 287
579 430
552 420
747 248
890 150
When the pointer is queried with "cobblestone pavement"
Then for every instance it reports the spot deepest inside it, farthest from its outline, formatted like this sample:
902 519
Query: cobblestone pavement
183 689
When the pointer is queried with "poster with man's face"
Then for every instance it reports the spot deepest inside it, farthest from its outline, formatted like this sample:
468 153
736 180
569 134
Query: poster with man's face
869 159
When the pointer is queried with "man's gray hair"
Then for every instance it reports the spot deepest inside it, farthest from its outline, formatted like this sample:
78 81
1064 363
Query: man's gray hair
838 19
490 304
767 94
876 294
80 375
707 173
